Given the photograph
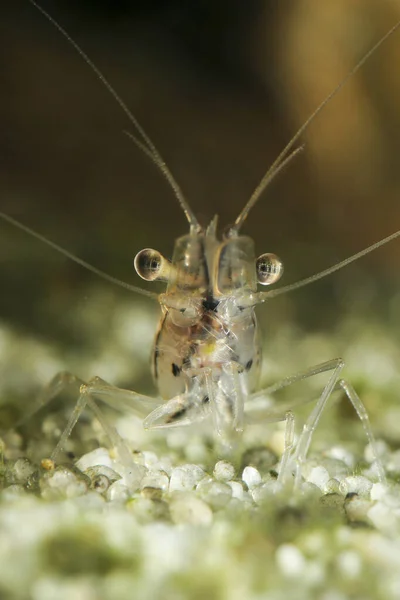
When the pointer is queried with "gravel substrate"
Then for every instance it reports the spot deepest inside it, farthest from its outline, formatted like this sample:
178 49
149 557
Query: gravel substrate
178 521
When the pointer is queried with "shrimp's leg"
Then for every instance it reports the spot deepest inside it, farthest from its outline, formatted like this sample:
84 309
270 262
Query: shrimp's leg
60 382
96 388
335 365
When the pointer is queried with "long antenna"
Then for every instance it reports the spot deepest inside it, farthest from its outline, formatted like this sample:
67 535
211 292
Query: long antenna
263 296
79 261
157 158
268 175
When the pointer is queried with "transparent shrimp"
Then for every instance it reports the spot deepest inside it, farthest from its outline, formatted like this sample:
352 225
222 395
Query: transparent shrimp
206 357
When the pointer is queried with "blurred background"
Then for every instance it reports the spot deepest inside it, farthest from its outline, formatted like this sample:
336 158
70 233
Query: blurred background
220 87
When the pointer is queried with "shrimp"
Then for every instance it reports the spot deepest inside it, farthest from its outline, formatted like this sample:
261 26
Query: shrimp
206 358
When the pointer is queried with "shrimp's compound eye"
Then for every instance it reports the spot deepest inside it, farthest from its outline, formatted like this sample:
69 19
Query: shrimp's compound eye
269 268
151 265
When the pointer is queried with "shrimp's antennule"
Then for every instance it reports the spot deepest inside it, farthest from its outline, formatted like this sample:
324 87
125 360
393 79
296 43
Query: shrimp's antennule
146 144
79 261
271 172
262 296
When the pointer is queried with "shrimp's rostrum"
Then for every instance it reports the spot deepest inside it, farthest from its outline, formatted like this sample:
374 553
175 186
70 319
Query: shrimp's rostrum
207 355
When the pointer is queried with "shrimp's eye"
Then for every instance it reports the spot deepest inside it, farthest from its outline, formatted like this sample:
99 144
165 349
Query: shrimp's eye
269 268
151 265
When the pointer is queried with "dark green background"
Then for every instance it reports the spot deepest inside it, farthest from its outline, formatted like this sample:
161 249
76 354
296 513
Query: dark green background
220 87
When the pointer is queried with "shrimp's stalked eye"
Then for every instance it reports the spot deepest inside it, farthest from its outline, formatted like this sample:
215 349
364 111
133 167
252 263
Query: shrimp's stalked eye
269 268
150 265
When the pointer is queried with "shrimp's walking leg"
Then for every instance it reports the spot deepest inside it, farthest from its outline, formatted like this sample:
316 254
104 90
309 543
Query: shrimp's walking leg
57 385
336 365
115 397
289 441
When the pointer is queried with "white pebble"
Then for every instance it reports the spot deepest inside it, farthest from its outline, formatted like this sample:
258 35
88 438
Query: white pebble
165 464
100 456
101 477
62 483
237 489
264 492
155 479
150 459
379 491
290 560
22 469
13 492
340 453
384 518
215 493
118 492
185 478
357 509
393 462
336 468
349 563
224 471
332 487
356 484
251 477
186 508
319 476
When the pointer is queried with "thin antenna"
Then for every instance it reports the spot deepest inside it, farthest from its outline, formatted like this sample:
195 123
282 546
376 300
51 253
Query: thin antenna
157 158
164 170
79 261
268 175
263 296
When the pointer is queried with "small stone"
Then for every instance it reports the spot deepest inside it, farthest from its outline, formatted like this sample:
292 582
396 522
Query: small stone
62 483
357 508
151 493
150 459
118 492
333 501
48 464
100 484
155 479
147 510
290 560
12 492
186 508
100 456
355 484
23 469
90 501
165 464
319 476
185 478
264 492
215 493
379 491
251 477
393 462
224 471
384 518
237 489
101 477
335 467
341 454
349 563
332 486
